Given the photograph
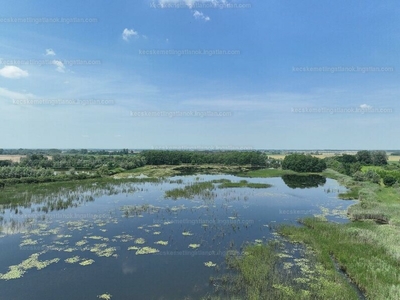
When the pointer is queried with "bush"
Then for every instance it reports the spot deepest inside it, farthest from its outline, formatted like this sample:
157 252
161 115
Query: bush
303 163
389 180
359 176
372 176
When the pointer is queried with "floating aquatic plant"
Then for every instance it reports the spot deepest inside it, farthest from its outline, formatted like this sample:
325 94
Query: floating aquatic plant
210 264
187 233
81 243
194 246
105 296
157 232
72 260
86 262
147 250
17 271
133 248
27 242
164 243
140 241
70 249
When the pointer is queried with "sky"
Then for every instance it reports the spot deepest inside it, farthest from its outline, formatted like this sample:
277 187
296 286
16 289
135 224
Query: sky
210 74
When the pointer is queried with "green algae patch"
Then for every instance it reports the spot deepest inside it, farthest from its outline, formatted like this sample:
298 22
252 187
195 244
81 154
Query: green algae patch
187 233
105 296
28 242
96 237
210 264
70 250
102 250
86 262
124 237
147 250
157 232
163 243
72 260
140 241
17 271
81 243
133 248
194 246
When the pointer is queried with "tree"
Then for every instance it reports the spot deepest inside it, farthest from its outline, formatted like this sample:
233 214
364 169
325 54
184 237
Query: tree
364 157
303 163
379 158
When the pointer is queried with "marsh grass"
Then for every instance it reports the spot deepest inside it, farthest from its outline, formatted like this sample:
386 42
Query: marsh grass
201 189
242 184
261 272
366 252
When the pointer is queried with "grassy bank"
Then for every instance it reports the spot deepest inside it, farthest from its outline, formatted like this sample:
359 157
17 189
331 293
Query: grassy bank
265 272
367 250
368 253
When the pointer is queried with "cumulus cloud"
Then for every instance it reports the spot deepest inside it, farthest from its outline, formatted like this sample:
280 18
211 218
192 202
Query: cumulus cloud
50 52
60 66
200 16
13 72
128 33
365 106
191 3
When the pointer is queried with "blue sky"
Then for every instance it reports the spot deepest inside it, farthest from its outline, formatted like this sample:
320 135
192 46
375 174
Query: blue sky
232 74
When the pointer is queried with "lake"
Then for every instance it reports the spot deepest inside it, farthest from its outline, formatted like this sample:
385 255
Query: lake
130 241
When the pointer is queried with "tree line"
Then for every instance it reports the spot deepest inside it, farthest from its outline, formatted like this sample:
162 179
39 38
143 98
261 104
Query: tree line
165 157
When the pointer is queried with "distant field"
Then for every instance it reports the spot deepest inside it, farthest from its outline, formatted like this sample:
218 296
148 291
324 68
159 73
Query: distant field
394 157
14 158
282 156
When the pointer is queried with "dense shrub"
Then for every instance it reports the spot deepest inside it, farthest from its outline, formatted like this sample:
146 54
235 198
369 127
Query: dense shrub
389 180
303 163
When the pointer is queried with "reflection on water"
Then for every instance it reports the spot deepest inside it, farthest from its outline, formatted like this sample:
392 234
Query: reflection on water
129 240
303 181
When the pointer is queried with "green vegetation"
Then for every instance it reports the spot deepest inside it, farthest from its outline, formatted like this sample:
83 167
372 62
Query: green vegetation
243 183
265 173
264 272
165 157
303 163
203 189
359 250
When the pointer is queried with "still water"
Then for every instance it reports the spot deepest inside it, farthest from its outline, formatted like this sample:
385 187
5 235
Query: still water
128 241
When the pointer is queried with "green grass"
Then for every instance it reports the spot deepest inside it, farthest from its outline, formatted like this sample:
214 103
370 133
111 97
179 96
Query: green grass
263 273
243 183
367 252
24 194
265 173
201 189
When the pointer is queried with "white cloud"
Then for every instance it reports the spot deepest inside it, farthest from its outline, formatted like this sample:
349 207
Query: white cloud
50 52
199 15
60 66
128 33
191 3
13 72
365 106
14 95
